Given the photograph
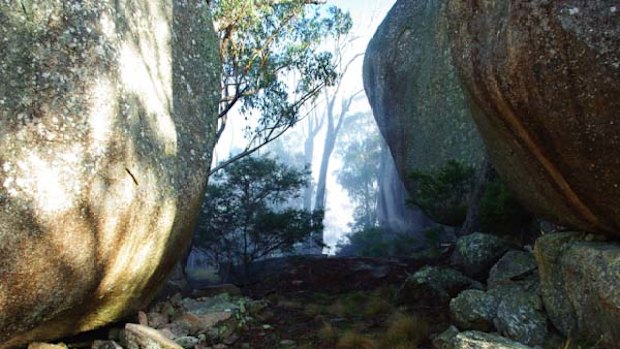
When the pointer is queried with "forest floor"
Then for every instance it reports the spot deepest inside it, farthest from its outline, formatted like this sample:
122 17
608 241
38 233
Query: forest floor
339 303
323 303
351 320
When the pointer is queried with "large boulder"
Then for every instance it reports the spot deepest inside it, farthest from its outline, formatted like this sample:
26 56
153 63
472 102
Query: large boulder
545 74
417 99
107 113
580 284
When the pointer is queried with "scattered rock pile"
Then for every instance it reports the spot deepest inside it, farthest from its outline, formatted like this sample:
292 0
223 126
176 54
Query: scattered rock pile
566 288
181 323
508 305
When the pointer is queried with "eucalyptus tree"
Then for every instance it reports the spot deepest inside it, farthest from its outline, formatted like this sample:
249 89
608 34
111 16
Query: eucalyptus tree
273 63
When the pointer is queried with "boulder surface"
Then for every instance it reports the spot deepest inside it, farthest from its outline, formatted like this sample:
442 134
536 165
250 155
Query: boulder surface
107 114
580 284
416 97
545 75
477 253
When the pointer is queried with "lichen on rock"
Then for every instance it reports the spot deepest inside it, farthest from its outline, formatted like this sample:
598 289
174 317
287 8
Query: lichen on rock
544 75
416 96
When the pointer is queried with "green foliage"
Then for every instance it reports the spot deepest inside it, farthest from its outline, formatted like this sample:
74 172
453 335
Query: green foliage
403 245
368 242
443 194
373 242
500 212
272 64
244 216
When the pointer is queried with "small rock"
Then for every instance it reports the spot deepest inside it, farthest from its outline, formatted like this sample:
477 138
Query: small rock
210 305
445 339
167 333
190 323
39 345
433 286
287 343
157 320
213 319
99 344
187 342
230 340
256 307
137 336
474 310
142 319
481 340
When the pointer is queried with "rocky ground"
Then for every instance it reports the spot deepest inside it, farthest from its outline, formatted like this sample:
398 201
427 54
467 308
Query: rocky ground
305 303
485 295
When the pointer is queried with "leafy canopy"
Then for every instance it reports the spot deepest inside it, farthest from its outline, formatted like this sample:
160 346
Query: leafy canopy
272 62
245 216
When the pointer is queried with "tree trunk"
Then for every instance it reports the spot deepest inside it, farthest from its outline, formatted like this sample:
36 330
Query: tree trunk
315 123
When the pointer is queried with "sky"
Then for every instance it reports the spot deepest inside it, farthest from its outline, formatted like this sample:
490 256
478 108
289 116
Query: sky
366 15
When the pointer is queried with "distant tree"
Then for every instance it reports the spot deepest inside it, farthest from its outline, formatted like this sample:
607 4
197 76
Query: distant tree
360 153
314 124
333 119
243 218
272 65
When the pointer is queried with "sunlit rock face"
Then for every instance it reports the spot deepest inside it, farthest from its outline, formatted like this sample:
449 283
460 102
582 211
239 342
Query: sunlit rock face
415 94
107 112
546 75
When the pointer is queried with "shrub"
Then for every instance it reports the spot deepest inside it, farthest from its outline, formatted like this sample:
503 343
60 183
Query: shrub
367 242
245 216
500 212
443 194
